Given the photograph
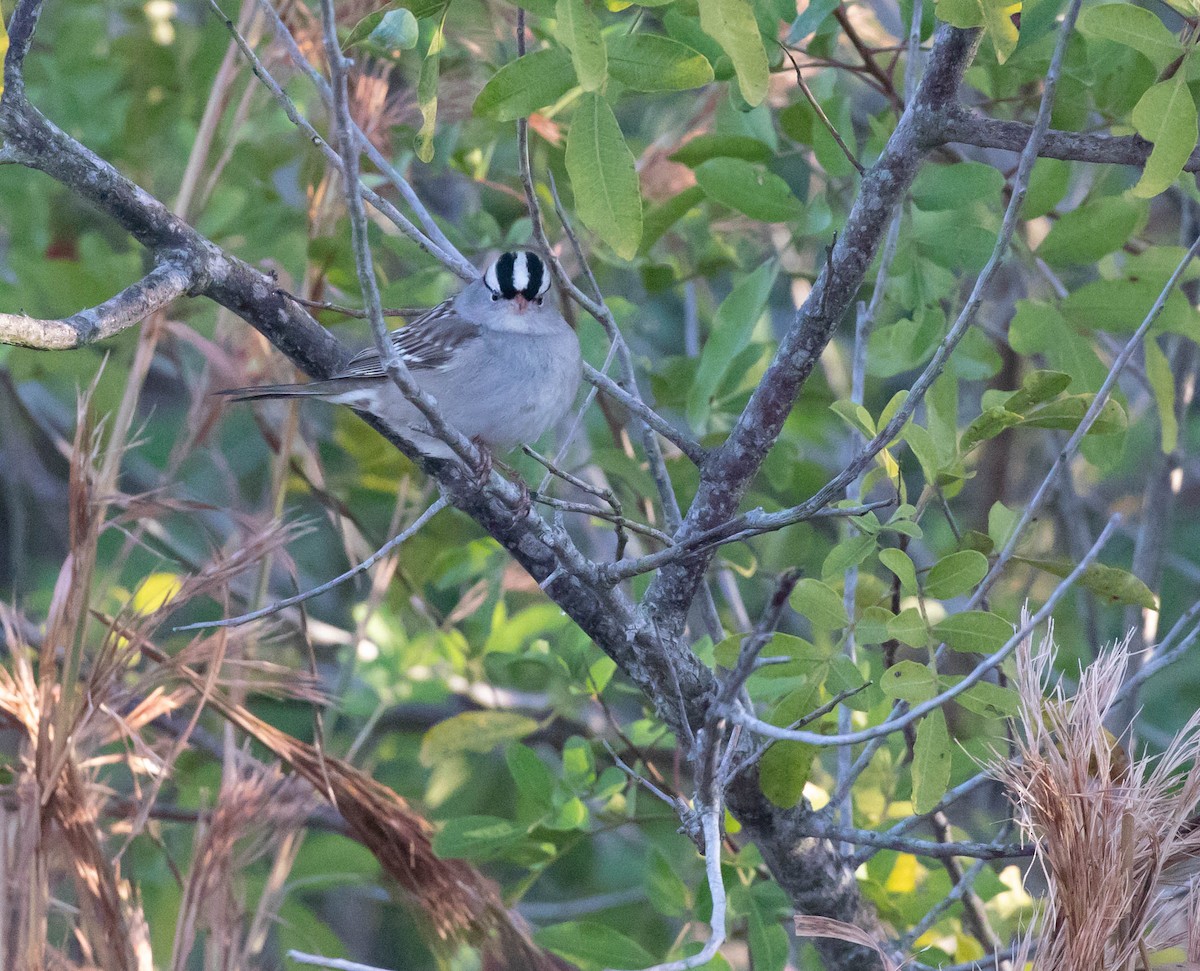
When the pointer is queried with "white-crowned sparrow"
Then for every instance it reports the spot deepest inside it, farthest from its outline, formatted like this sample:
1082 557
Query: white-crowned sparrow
499 359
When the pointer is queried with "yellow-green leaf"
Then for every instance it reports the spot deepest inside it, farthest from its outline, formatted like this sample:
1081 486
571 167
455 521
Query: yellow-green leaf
931 762
1166 116
155 592
1134 27
427 87
648 62
974 630
607 195
1107 582
909 681
821 604
473 731
731 24
526 84
3 49
1162 382
956 574
580 31
1000 27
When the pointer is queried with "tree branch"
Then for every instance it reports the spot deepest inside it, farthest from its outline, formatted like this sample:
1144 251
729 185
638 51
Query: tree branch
132 305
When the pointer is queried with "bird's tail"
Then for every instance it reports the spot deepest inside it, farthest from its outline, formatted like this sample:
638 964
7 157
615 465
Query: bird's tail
312 389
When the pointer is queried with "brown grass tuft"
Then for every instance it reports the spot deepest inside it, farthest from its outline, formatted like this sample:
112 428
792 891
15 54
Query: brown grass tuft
1112 833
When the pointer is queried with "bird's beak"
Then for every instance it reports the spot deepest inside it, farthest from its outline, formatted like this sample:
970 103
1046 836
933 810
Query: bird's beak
521 302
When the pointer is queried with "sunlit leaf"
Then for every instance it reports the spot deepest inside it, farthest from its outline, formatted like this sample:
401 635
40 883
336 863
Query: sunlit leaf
580 31
1165 115
526 84
731 23
650 62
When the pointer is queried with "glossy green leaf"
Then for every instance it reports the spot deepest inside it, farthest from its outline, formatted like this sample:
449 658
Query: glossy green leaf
1165 115
732 326
607 195
1162 383
821 604
1109 583
732 24
1134 27
977 631
523 86
473 731
909 681
651 62
396 32
703 147
899 563
931 762
397 15
579 29
955 574
748 188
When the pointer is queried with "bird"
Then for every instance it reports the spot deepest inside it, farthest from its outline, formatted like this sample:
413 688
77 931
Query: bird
499 359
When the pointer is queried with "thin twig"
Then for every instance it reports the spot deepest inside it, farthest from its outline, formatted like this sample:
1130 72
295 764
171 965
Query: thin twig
437 506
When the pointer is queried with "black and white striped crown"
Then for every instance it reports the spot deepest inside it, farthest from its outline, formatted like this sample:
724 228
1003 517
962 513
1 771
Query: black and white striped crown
521 273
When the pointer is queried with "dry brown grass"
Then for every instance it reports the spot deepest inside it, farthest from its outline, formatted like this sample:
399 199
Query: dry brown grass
81 693
1113 834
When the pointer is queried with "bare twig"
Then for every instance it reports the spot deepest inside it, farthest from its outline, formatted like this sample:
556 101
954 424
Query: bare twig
437 506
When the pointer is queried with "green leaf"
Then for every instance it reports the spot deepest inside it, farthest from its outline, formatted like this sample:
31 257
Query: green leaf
921 442
1092 230
1165 115
580 31
1037 387
783 771
768 942
397 16
732 326
1107 582
703 147
607 195
909 627
651 62
1162 383
821 604
990 700
976 631
846 554
731 23
579 764
427 89
593 945
909 681
1001 523
749 189
476 837
526 84
1065 414
988 425
931 762
872 626
664 886
532 776
663 216
856 416
396 31
899 563
473 731
1134 27
940 187
955 574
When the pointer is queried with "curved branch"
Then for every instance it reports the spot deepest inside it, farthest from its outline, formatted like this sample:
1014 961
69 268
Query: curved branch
131 306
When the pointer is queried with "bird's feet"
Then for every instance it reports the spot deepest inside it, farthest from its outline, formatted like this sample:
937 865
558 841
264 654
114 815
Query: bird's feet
481 468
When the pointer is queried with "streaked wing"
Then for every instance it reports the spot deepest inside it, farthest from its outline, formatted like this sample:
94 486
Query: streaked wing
427 343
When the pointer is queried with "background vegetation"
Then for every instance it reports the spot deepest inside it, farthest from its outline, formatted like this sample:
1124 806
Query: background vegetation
807 260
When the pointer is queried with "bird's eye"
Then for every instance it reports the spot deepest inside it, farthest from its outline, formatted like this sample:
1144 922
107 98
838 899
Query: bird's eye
538 301
495 297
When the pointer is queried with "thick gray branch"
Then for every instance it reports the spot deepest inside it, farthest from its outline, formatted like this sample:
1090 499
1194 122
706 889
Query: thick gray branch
131 306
